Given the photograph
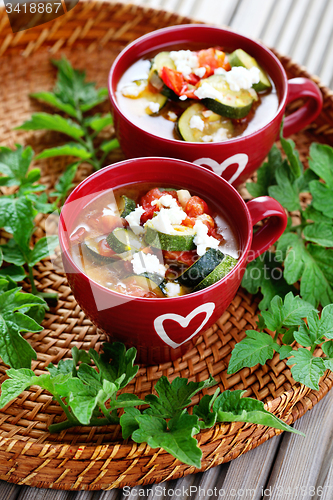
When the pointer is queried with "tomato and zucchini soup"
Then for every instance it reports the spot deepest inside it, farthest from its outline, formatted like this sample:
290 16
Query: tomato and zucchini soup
153 241
198 96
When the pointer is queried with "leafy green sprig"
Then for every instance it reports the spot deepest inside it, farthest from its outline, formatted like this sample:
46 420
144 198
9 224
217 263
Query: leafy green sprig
304 252
26 198
91 397
292 320
74 96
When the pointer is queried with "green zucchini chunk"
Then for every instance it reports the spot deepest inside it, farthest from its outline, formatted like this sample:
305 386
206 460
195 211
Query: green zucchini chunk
123 240
171 242
126 206
218 273
201 268
89 249
156 278
145 283
241 58
231 103
215 128
161 60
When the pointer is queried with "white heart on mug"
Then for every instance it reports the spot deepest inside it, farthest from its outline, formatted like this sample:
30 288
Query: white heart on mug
207 308
241 159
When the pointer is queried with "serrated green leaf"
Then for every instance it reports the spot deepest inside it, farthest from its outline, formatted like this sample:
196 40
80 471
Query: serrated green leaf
54 100
46 121
307 369
18 381
321 162
321 233
322 196
65 367
310 213
286 191
44 247
230 406
12 253
285 351
16 273
289 312
65 182
69 149
177 440
15 351
97 123
20 220
257 347
289 148
128 422
115 362
172 398
265 174
108 146
204 410
15 163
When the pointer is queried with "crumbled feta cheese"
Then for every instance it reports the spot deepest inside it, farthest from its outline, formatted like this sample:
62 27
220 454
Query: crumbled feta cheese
166 201
166 218
183 196
185 61
200 72
241 78
207 138
219 71
153 106
197 122
147 263
207 90
111 209
172 116
132 89
182 97
134 220
207 112
172 289
202 240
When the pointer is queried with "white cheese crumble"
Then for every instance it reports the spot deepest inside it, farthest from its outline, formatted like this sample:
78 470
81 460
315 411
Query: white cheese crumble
207 113
202 240
147 263
172 116
134 220
241 78
153 106
183 196
200 72
197 122
166 201
133 90
207 90
219 71
185 61
183 97
166 218
220 135
172 289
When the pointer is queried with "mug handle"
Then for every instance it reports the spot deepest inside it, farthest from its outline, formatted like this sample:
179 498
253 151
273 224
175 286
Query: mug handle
298 88
270 232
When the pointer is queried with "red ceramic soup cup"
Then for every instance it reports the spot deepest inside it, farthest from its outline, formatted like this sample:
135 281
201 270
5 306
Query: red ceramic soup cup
234 159
163 329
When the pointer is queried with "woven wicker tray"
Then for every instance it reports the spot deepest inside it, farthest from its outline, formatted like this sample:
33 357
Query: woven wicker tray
91 35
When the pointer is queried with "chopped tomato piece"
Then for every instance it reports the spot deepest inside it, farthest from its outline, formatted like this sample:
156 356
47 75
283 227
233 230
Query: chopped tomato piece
196 206
184 257
174 80
109 222
211 59
189 222
153 194
79 235
104 249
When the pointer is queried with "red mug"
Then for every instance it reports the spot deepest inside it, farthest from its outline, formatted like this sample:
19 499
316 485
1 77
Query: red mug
237 158
163 329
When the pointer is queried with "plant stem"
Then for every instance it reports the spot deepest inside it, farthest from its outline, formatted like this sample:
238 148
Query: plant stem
32 281
66 424
106 413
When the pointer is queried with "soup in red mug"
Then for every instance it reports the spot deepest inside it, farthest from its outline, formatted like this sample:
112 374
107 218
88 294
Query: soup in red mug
154 134
175 251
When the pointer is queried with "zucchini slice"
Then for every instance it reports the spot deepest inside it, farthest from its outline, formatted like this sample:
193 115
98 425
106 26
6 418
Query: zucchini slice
126 206
241 58
215 128
89 248
218 273
230 103
161 60
123 240
201 268
145 283
152 101
171 242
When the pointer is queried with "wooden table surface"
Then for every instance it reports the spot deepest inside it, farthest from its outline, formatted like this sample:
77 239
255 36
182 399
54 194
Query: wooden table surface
287 467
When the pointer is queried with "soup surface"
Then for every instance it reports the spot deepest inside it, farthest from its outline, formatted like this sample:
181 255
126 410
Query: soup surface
153 241
198 95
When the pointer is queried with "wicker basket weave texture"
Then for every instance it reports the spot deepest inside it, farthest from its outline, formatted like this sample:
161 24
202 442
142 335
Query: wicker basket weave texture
91 35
